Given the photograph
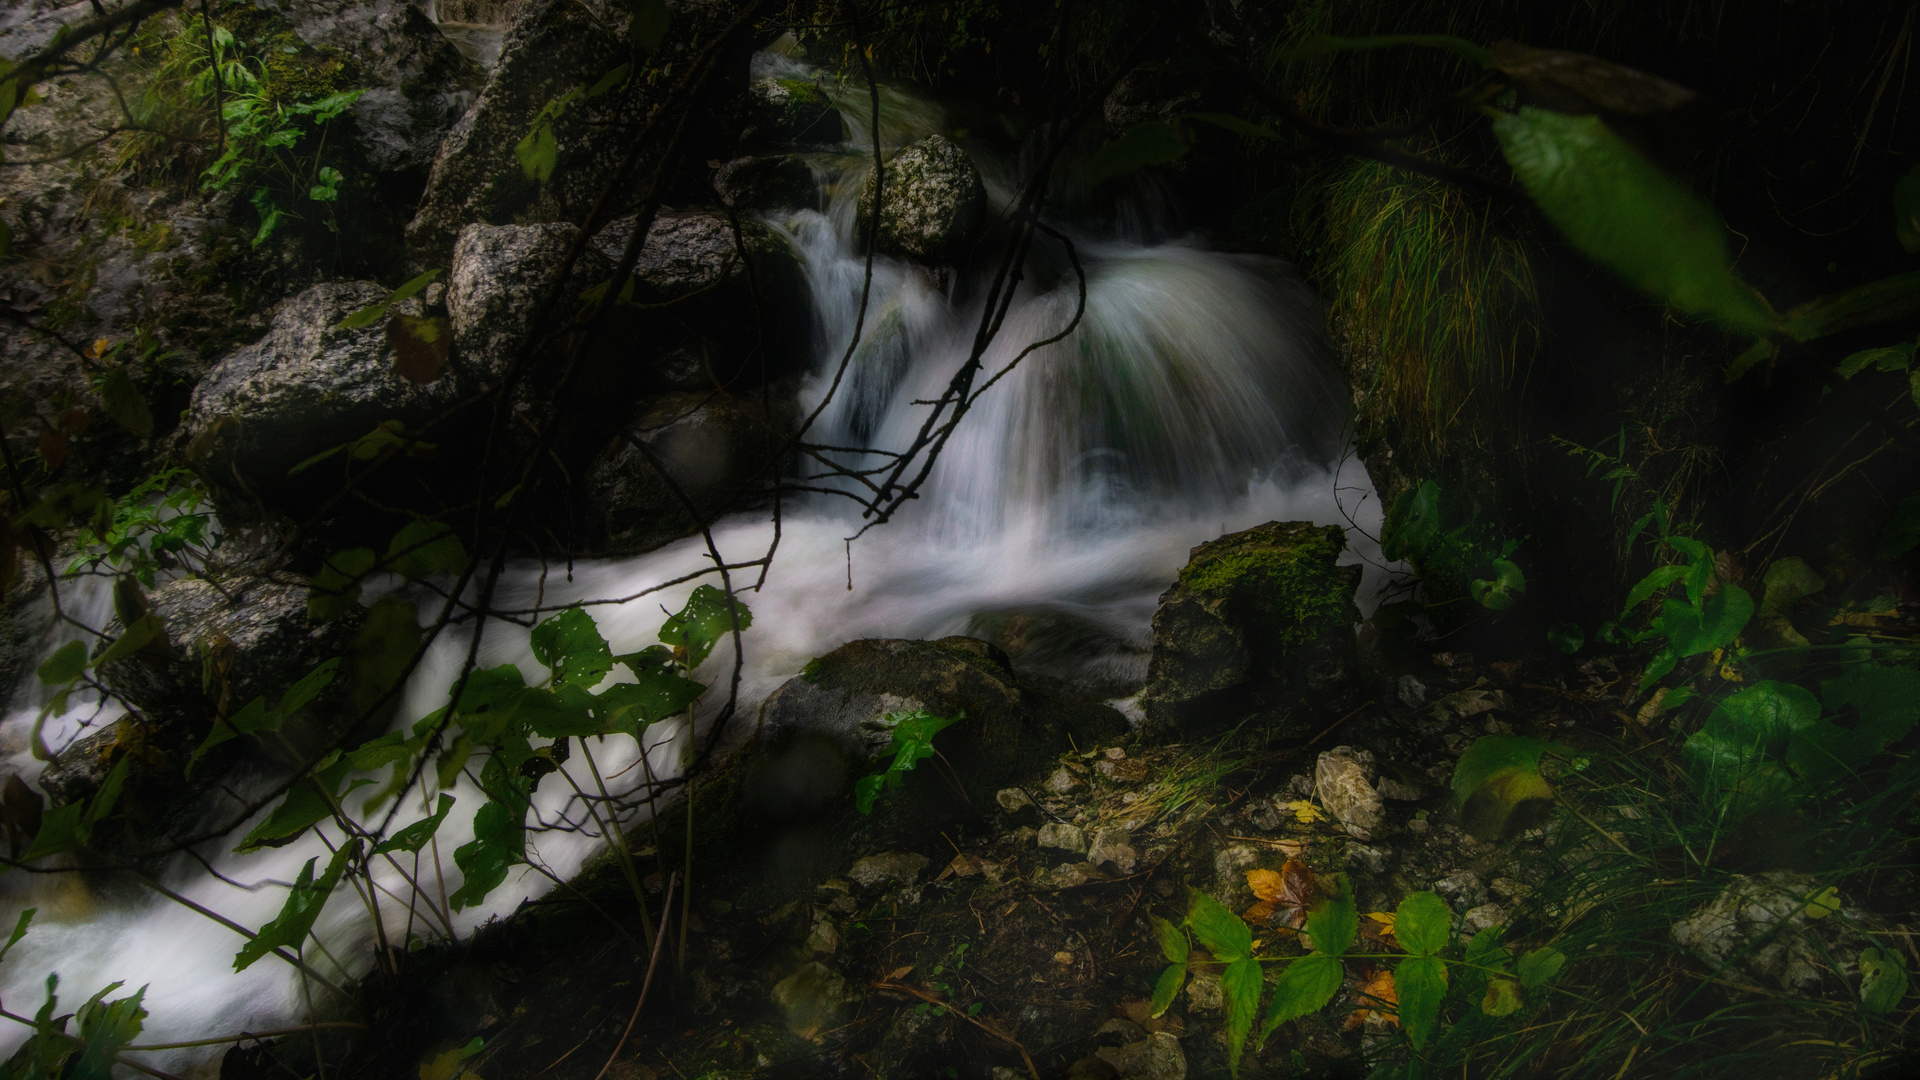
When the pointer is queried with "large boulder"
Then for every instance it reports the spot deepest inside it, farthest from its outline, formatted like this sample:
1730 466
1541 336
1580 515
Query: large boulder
767 183
306 387
712 448
793 112
555 47
498 275
935 202
1259 620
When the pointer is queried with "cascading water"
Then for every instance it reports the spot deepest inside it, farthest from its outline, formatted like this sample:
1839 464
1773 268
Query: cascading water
1194 398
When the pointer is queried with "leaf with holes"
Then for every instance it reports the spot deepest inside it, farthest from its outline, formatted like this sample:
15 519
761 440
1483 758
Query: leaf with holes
570 644
703 622
1883 979
415 836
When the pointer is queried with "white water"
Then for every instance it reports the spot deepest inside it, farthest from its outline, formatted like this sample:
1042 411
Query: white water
1194 399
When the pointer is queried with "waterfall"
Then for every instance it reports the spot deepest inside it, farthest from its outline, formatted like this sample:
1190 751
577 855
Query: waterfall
1195 397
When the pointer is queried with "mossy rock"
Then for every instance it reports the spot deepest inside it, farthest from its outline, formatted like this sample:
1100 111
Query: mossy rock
934 202
795 112
1260 621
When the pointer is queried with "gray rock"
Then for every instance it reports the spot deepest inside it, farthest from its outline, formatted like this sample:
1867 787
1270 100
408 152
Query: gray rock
1062 781
80 768
1412 692
824 937
1067 838
304 388
793 112
1073 874
1399 790
1157 1057
1111 844
934 202
1342 780
813 997
498 275
1371 859
1259 620
1773 905
1204 993
1462 888
892 867
1475 919
770 182
1015 803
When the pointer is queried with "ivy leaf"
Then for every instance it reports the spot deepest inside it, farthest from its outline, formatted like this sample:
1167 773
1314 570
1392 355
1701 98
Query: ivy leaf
60 832
1622 212
19 931
701 624
415 836
1241 984
866 791
1566 638
913 734
1885 703
1220 930
125 404
1305 987
571 646
425 548
1883 979
1499 592
309 801
1152 142
289 929
255 717
1422 923
1420 982
1167 987
1498 786
1540 966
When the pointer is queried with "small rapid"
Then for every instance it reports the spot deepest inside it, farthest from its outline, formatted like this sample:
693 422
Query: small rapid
1196 396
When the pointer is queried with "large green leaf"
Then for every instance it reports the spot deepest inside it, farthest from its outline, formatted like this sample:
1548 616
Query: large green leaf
1220 930
1306 986
1498 786
499 842
1691 630
657 695
1540 966
1334 922
1765 714
1884 705
67 663
1423 923
1240 984
1883 979
415 836
1617 208
309 801
289 929
701 624
1173 940
570 644
1420 982
1167 987
106 1027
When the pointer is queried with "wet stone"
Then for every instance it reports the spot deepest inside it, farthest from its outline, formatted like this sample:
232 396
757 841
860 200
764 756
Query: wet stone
1063 781
1157 1057
1343 780
1066 838
875 871
1111 845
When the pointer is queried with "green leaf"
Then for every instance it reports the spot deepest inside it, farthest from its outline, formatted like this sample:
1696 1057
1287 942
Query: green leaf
1885 705
60 832
139 634
1420 982
1566 638
1622 212
1662 662
1333 923
19 931
124 402
1540 966
424 548
571 646
107 797
409 290
648 26
1485 949
1152 142
564 712
1413 524
1883 979
415 836
1765 714
383 649
657 695
1894 358
1324 44
1220 930
327 185
105 1029
1306 986
289 929
1173 940
538 152
67 663
1241 984
1502 997
913 734
866 791
1167 987
1499 592
1691 631
1648 586
701 624
1422 923
606 82
336 588
310 800
1906 210
499 842
1881 300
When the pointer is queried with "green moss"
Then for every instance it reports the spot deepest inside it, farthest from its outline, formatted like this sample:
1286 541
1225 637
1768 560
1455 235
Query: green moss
1291 576
813 672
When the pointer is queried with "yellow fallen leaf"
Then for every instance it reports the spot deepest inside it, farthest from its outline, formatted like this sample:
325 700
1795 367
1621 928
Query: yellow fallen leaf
1385 919
1305 811
1378 1000
1824 903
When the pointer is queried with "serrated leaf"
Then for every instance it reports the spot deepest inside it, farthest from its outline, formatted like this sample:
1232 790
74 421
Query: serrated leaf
1219 930
1167 987
570 644
1618 209
289 929
1422 923
1240 984
1306 986
106 1027
1173 941
1883 979
1334 922
1540 966
415 836
124 402
1420 982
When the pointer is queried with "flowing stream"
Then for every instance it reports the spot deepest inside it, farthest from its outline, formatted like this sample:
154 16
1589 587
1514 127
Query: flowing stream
1195 397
